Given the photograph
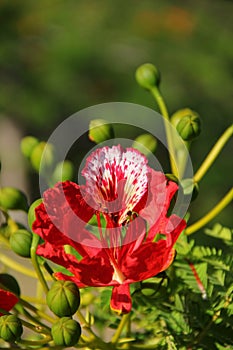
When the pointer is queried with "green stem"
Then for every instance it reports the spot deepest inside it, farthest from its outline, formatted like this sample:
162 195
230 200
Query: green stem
212 213
94 342
182 157
163 109
124 321
40 327
35 242
45 340
34 300
16 266
213 154
36 311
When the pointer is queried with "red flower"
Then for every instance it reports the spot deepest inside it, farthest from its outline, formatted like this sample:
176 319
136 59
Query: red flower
133 200
7 300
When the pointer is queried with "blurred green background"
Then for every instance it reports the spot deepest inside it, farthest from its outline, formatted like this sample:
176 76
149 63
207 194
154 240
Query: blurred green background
57 57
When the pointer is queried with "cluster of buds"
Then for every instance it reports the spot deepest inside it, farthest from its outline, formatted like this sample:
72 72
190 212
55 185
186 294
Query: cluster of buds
63 299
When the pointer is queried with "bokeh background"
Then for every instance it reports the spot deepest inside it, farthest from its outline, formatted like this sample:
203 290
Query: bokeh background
57 57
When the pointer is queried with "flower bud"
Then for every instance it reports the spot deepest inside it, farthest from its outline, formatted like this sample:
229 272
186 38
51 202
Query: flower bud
42 156
12 199
20 242
180 114
10 328
8 282
145 143
99 131
190 188
148 76
66 332
27 145
64 171
63 298
31 212
189 127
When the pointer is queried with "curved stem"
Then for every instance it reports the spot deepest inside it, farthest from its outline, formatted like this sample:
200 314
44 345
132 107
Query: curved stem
163 109
124 321
36 311
45 340
213 154
40 327
212 213
16 266
35 241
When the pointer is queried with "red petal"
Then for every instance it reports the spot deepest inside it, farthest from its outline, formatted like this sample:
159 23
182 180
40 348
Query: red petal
7 300
121 301
153 257
61 219
156 198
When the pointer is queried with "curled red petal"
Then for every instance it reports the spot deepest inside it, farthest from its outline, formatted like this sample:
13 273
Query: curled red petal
121 301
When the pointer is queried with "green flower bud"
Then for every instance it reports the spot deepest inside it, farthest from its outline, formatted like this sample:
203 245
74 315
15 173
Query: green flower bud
180 114
66 332
189 127
63 298
12 199
20 242
190 188
148 76
42 156
145 143
8 282
64 171
31 212
27 145
99 131
10 328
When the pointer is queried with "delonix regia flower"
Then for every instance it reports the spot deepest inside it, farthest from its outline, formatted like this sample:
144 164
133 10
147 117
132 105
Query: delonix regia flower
7 300
136 237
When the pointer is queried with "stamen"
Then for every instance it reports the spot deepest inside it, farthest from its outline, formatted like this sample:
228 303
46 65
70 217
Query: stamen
116 179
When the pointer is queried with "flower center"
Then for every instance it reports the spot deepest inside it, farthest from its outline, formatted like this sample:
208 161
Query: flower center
116 179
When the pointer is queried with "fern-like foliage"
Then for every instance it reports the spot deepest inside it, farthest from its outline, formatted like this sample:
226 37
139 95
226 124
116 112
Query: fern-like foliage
189 307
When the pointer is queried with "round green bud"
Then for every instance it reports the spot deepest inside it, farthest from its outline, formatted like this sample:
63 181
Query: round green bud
64 171
148 76
180 114
13 199
63 298
189 127
27 145
8 282
42 156
100 130
20 242
10 328
145 143
190 188
31 212
66 332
